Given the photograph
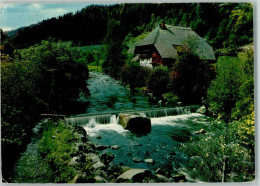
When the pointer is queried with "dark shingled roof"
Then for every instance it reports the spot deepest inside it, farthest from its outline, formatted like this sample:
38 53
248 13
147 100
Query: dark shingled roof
165 40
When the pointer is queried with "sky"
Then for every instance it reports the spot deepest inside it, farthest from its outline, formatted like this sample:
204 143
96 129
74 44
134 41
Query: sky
13 16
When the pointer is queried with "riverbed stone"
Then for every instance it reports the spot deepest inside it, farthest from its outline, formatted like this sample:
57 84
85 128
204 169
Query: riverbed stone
179 178
202 110
150 160
135 123
91 145
115 147
162 178
137 160
99 179
80 130
73 161
98 137
99 165
160 171
135 175
101 147
93 157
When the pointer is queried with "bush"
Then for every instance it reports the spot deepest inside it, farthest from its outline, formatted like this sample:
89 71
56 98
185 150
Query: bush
190 76
135 75
220 156
158 81
170 98
232 92
223 92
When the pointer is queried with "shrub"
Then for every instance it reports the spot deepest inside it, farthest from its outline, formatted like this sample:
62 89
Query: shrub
232 92
158 81
190 75
135 75
170 98
223 92
220 156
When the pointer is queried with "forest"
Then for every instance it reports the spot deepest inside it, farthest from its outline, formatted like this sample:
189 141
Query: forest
45 68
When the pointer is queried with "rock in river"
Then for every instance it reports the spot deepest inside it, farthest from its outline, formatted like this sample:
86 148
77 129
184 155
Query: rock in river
137 160
135 123
136 175
149 161
115 147
101 147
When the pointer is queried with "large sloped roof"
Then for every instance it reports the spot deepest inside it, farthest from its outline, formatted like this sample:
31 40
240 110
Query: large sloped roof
164 41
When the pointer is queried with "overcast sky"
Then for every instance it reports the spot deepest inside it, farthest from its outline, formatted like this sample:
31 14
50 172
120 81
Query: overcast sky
13 16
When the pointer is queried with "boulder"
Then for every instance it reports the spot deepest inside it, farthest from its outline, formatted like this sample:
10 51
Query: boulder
160 171
93 157
135 175
99 179
179 178
137 160
162 178
99 165
80 130
135 123
101 147
98 137
115 147
202 110
73 161
91 145
149 161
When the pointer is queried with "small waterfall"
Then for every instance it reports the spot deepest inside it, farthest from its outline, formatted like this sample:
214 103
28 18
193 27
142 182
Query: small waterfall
111 118
92 120
163 112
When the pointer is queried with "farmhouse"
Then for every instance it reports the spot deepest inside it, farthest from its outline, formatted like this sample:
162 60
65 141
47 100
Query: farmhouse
160 46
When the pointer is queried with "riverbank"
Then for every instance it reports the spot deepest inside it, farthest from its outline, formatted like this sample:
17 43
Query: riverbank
59 153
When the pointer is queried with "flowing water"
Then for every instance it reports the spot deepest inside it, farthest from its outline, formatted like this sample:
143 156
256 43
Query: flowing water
160 144
108 95
170 126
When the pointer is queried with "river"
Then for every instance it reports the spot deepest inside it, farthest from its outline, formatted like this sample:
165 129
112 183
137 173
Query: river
171 127
162 144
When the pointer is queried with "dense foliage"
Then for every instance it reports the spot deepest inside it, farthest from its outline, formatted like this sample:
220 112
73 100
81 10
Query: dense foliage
228 154
135 75
158 81
232 92
191 76
225 25
114 57
41 79
220 156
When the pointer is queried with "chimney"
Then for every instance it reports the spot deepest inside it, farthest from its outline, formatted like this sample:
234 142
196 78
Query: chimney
163 25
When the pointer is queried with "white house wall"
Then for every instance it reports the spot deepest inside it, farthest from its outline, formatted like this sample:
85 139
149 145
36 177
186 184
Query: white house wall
146 62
